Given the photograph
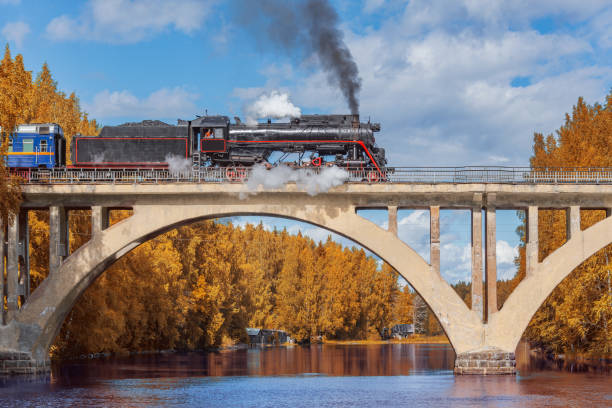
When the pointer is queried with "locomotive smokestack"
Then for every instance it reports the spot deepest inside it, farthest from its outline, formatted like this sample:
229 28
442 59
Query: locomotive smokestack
307 26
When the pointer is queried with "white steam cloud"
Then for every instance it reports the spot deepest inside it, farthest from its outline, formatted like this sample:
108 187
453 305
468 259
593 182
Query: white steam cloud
306 180
273 105
178 165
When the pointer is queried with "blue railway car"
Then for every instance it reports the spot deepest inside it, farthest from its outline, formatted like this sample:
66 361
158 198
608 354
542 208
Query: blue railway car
37 146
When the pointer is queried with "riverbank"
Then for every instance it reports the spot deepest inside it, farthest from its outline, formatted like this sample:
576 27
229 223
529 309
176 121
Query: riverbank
416 339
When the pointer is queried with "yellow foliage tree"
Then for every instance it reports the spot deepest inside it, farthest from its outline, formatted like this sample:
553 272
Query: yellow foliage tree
578 314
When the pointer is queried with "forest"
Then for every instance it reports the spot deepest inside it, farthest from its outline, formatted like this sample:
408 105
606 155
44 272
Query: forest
201 285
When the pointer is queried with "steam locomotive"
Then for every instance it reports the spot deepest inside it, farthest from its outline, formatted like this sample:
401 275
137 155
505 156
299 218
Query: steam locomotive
207 141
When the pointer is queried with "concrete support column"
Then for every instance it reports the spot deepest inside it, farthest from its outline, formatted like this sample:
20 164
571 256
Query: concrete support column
531 258
434 237
392 210
58 237
12 270
572 217
477 289
99 219
491 257
2 287
488 361
24 255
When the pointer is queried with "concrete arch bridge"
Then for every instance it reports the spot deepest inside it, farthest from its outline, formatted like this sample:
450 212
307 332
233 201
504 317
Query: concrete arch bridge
484 338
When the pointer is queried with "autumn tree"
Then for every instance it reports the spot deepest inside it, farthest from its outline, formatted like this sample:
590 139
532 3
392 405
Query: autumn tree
12 80
10 193
577 315
403 307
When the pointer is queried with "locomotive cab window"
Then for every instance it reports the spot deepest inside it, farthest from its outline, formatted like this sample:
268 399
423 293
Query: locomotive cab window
212 133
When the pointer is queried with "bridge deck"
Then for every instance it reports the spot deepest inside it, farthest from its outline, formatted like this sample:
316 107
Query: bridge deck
355 194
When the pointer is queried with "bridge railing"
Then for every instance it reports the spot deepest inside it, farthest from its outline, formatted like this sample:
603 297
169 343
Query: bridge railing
424 175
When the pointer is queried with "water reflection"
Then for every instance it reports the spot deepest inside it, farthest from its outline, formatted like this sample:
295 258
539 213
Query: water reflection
332 360
319 375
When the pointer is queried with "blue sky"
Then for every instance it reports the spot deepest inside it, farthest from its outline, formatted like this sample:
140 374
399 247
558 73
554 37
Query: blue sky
453 82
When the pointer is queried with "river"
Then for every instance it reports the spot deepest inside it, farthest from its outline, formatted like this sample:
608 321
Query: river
412 375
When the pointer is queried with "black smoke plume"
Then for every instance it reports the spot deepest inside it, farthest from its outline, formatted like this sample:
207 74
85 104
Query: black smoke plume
304 27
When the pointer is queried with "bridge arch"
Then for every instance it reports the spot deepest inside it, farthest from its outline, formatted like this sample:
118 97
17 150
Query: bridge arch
50 303
507 326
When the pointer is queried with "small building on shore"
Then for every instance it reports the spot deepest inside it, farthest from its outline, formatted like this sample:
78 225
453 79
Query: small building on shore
399 331
267 336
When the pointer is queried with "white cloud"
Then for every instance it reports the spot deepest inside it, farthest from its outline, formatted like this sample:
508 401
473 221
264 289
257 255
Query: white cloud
430 13
163 103
130 21
505 260
602 29
413 230
456 262
16 32
439 78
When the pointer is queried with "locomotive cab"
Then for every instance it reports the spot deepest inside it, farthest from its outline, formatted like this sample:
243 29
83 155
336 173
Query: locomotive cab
209 134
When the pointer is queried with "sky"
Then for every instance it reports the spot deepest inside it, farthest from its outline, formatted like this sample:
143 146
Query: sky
452 82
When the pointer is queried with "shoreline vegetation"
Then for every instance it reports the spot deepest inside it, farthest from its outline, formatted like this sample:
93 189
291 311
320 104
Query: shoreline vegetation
416 339
199 286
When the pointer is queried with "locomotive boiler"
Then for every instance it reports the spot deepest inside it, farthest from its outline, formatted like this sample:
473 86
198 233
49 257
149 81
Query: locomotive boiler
213 141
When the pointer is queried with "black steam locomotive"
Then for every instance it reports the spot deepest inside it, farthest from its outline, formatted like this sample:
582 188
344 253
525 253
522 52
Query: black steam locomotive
212 141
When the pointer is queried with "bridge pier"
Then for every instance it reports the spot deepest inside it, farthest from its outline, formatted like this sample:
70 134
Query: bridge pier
477 288
434 238
572 216
58 237
12 269
16 338
20 349
392 212
17 265
99 219
532 248
491 257
16 362
486 362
